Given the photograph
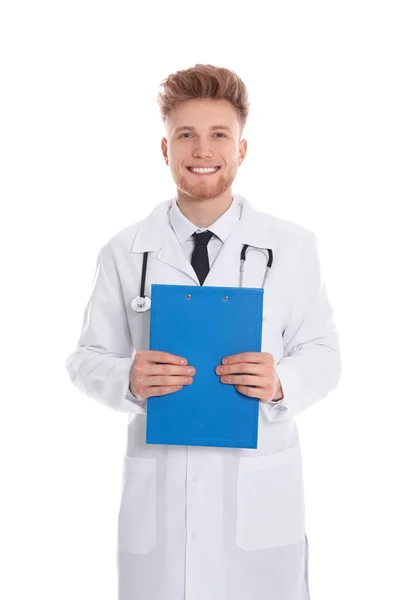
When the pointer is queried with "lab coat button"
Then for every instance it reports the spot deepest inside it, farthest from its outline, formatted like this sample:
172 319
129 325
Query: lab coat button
194 537
194 479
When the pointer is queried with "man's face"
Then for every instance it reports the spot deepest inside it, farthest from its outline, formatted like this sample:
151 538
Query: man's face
203 133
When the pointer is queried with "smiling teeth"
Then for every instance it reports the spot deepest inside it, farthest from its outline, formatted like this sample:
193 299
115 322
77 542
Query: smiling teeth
212 170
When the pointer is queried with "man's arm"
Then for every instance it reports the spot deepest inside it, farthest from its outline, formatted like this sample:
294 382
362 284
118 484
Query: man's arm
311 365
100 365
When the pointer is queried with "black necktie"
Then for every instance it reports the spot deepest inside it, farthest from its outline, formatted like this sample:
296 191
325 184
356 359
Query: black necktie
200 259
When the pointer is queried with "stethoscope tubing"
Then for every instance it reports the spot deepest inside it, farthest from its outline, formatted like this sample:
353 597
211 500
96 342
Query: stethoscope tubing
141 303
243 259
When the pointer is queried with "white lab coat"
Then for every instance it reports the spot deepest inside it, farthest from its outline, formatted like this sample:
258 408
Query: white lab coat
202 523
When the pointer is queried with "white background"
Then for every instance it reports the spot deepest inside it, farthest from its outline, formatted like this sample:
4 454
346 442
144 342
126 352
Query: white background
330 146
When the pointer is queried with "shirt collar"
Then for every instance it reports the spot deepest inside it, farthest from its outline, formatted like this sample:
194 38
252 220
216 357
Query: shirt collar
254 227
222 227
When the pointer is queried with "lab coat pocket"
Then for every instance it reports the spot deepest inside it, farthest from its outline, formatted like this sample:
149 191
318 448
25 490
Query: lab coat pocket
270 509
137 513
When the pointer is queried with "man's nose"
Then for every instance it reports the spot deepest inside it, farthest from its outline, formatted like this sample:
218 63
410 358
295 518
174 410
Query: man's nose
202 150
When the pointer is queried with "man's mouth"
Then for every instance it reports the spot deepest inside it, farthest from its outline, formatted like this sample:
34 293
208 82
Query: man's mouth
203 170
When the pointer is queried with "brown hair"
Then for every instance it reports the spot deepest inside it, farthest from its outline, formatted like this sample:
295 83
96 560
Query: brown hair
204 81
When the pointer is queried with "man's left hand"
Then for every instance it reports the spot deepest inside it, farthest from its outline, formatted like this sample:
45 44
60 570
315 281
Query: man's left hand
252 369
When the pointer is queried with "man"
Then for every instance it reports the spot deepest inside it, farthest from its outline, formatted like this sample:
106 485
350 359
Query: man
203 523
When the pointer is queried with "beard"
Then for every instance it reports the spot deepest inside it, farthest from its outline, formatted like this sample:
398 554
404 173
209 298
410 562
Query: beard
207 189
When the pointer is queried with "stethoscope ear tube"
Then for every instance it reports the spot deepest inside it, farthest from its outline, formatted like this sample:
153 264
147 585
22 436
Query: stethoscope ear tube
243 258
269 265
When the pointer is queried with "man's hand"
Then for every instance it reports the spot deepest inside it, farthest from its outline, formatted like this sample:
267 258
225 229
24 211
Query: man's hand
253 369
147 378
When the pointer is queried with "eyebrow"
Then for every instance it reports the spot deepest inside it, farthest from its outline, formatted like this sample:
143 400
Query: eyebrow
213 128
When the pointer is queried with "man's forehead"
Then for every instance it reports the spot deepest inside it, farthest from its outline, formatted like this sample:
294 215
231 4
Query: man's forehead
203 114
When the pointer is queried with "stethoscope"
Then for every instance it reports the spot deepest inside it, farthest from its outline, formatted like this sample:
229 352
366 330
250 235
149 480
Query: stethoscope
142 303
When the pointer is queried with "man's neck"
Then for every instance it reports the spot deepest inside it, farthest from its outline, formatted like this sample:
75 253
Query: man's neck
203 213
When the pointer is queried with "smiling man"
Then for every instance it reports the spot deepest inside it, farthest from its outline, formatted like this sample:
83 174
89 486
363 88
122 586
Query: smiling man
203 523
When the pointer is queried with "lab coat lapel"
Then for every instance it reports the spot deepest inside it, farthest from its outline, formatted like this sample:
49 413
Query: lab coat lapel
156 235
172 254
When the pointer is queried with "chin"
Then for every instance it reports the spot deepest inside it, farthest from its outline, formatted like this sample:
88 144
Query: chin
204 190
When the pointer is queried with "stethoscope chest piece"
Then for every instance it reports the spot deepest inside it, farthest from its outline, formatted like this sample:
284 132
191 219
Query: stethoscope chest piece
140 304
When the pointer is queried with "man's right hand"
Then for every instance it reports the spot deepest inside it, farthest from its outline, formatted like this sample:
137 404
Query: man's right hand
147 378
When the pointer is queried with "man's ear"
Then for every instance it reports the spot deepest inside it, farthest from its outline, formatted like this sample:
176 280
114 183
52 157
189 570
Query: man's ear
243 147
164 148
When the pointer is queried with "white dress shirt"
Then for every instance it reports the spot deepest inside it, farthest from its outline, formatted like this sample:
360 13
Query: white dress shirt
221 228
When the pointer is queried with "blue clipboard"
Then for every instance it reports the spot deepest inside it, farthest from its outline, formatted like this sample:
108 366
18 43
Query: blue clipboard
203 325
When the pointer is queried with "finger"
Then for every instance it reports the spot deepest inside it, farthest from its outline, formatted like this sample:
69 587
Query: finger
165 369
165 357
251 368
263 394
249 357
244 380
163 380
163 390
249 391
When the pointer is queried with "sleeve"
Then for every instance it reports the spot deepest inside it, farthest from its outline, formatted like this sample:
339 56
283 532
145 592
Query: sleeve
100 365
311 365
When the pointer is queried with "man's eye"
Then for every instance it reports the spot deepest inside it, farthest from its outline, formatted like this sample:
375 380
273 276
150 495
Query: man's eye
218 133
